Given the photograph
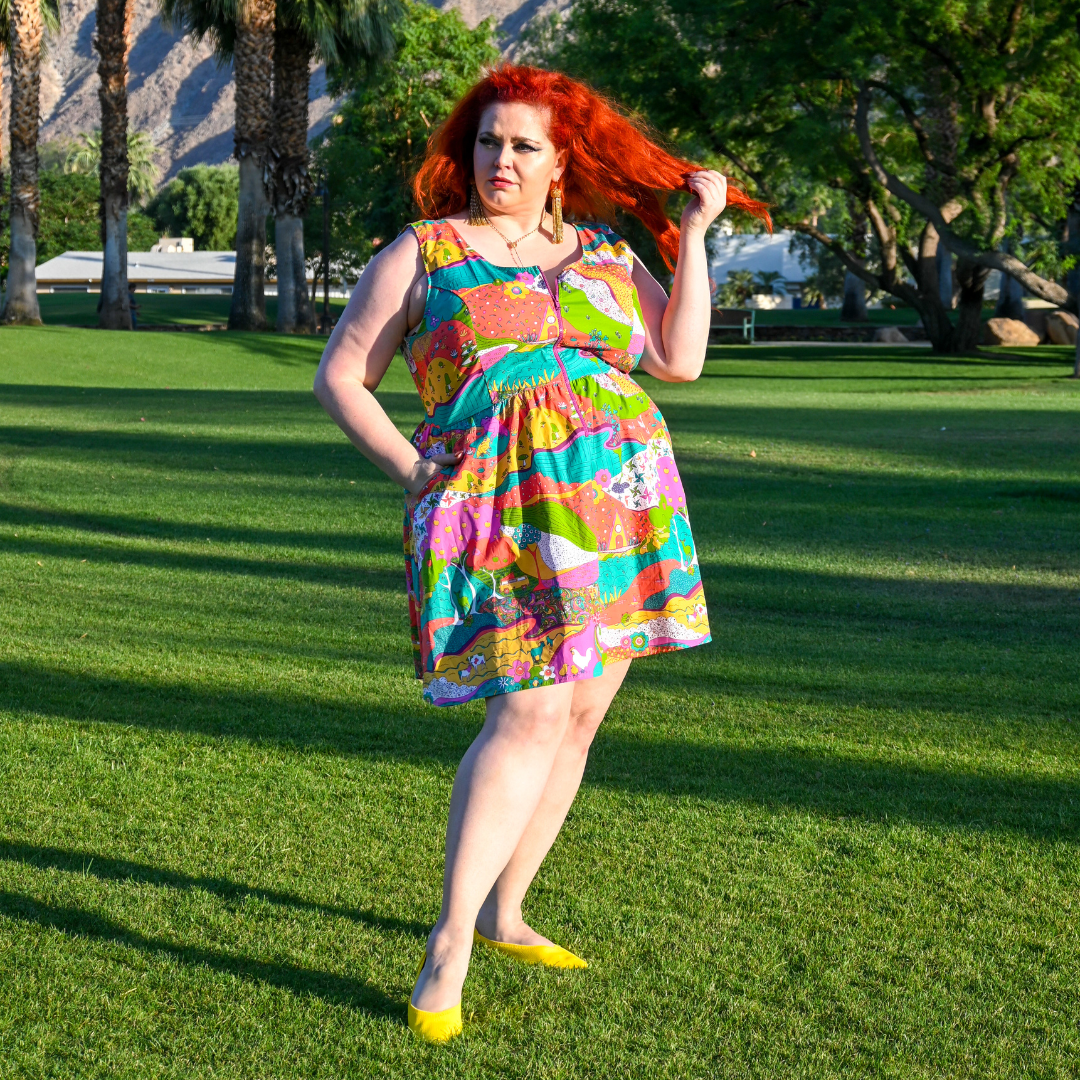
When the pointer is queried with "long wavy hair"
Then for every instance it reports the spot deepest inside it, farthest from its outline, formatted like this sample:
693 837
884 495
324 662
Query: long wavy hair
613 162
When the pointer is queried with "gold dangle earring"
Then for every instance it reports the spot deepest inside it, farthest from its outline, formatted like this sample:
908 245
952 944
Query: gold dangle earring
556 215
476 207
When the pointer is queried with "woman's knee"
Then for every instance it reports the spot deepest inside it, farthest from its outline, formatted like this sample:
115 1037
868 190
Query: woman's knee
540 721
583 725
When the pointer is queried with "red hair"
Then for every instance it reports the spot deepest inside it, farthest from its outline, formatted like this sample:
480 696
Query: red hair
612 162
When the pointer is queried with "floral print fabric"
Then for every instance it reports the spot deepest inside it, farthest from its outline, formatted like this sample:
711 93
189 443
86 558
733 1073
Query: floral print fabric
561 542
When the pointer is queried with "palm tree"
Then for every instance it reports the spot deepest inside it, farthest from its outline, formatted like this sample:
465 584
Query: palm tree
344 31
24 23
143 171
112 41
253 67
243 31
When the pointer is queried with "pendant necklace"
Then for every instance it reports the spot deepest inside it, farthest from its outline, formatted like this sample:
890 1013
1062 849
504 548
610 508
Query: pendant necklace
513 244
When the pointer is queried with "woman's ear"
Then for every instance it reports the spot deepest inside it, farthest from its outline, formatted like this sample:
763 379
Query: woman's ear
560 165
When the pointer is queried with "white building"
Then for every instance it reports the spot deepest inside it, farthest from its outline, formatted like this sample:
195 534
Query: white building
148 271
757 253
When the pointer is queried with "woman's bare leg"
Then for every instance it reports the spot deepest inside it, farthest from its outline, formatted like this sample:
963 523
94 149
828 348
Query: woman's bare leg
500 915
498 785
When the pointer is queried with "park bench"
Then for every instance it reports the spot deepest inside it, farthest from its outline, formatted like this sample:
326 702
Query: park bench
734 318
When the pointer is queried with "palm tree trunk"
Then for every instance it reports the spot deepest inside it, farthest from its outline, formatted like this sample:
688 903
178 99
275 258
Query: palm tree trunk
27 31
253 67
290 183
3 46
112 41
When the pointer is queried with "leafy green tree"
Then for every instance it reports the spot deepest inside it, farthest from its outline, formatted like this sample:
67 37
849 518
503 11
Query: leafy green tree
68 218
376 143
200 202
934 122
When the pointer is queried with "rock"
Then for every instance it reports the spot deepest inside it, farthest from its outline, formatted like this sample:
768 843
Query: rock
1061 327
1008 332
891 335
1036 320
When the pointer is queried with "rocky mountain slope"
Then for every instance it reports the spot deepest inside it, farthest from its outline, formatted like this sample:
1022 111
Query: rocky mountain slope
177 93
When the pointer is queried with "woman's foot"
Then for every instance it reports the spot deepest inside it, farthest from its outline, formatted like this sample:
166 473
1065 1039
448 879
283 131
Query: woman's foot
439 984
512 930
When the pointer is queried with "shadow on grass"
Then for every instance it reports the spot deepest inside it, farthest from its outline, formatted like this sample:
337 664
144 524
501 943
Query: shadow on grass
136 527
303 982
831 786
107 869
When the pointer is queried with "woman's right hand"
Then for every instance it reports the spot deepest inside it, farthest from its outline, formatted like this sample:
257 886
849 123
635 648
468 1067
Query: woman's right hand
426 468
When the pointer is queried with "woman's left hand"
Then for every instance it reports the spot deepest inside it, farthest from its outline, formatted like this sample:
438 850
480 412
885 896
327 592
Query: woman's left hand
710 198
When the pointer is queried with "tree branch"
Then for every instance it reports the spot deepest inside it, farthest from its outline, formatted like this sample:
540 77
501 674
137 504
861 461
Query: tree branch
994 260
916 126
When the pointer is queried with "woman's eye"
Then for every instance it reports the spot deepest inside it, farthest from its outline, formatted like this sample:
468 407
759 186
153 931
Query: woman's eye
523 148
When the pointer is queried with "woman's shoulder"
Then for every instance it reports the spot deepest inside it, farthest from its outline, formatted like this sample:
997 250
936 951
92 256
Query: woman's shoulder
430 229
600 243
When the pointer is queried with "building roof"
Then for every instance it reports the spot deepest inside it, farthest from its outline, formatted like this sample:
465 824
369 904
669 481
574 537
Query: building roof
144 268
754 252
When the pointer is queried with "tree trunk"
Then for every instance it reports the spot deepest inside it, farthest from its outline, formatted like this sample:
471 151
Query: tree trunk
945 276
3 46
972 281
112 41
290 184
253 68
27 31
854 309
1010 303
1071 245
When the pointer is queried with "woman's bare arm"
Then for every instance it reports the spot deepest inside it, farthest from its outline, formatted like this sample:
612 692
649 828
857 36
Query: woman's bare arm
388 300
677 328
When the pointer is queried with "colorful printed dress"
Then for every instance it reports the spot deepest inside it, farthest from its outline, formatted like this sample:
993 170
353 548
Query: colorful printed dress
561 542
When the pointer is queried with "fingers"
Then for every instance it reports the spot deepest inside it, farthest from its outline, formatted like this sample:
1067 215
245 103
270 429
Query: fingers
447 459
710 187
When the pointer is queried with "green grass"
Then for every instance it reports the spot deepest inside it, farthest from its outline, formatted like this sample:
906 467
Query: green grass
840 841
155 309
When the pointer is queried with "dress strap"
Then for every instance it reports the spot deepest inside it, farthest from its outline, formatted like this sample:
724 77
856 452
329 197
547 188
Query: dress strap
439 244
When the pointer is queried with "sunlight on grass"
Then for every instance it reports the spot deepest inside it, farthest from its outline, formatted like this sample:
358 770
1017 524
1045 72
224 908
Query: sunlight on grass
839 841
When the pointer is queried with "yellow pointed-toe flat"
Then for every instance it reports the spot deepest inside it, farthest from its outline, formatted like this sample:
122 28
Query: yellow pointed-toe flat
435 1027
554 956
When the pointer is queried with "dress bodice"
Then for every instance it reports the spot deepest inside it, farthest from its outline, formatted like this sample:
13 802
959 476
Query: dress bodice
491 332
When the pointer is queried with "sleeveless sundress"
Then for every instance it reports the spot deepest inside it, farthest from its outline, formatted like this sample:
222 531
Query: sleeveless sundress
561 542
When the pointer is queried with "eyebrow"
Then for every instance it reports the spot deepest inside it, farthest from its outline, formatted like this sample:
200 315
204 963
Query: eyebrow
515 138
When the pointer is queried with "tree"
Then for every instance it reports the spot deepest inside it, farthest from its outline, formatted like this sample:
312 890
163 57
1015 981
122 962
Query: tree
69 218
112 41
85 156
921 117
372 150
344 34
241 31
200 202
26 22
253 66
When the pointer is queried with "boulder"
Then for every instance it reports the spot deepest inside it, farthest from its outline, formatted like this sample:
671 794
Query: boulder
891 335
1061 327
1008 332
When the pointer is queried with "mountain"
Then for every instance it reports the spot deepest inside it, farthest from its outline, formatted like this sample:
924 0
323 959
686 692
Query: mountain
177 93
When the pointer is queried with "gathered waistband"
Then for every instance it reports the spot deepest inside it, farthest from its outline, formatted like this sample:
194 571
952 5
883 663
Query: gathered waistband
516 374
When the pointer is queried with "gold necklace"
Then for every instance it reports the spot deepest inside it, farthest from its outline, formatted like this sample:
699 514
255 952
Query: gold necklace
513 244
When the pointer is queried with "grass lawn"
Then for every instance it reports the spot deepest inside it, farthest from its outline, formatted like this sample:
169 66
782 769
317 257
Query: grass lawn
157 309
843 840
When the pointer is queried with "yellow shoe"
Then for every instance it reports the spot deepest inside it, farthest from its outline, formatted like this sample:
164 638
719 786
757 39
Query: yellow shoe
554 956
435 1027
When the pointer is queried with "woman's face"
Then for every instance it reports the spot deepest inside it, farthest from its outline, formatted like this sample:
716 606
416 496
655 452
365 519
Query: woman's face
514 159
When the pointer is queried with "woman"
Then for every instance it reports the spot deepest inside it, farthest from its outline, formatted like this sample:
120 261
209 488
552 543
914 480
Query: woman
546 529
